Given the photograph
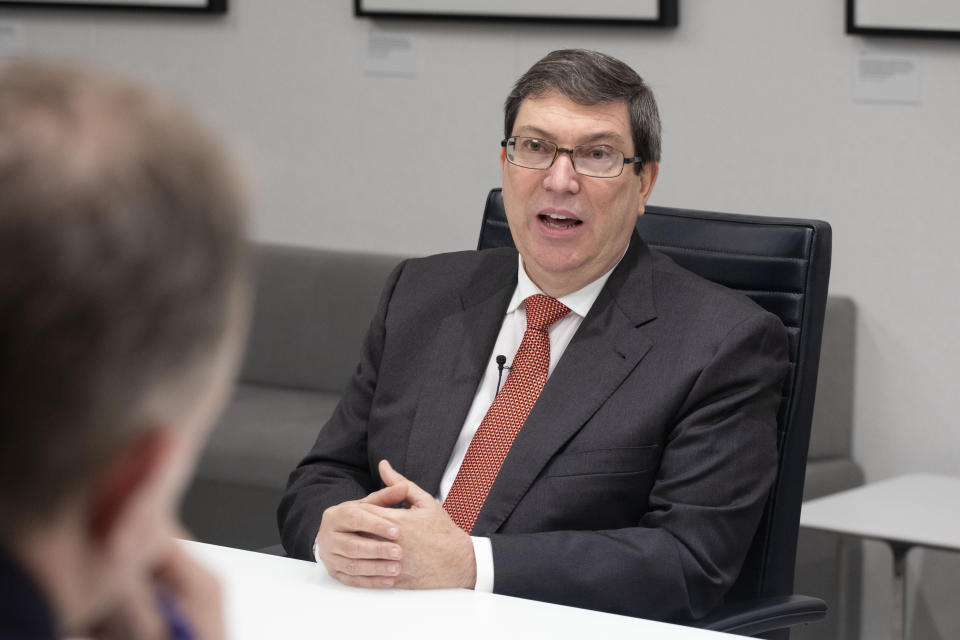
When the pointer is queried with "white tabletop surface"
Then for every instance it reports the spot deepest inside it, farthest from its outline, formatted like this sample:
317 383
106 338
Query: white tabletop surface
273 597
918 509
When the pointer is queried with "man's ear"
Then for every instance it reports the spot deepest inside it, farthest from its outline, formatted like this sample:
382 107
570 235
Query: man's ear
648 177
127 474
503 156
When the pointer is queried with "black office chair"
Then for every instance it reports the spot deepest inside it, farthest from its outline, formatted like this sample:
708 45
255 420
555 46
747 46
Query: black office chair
784 265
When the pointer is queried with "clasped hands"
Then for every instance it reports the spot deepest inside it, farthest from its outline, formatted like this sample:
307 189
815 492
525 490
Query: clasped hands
367 543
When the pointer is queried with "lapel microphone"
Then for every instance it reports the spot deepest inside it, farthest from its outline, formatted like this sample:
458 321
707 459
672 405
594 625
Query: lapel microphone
501 360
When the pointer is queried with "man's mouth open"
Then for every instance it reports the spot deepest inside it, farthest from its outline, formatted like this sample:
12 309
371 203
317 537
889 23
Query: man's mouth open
559 221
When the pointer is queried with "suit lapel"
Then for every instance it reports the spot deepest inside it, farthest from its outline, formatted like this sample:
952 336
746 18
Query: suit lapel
606 348
460 351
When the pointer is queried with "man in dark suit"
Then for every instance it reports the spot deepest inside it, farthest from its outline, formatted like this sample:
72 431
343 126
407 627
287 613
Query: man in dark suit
624 462
123 289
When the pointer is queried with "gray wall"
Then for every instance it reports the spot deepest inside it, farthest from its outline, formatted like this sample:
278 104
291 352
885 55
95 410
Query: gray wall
758 118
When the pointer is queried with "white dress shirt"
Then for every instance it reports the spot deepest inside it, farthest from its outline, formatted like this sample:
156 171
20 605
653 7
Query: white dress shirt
508 342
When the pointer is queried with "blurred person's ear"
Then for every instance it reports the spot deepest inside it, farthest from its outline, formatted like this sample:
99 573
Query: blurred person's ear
127 485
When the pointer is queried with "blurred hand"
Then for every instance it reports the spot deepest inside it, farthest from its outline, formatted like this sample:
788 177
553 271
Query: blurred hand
178 583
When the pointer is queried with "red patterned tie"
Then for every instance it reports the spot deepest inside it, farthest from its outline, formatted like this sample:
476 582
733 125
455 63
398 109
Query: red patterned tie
506 415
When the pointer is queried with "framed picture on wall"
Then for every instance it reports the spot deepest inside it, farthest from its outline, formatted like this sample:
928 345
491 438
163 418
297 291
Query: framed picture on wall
199 6
658 13
929 18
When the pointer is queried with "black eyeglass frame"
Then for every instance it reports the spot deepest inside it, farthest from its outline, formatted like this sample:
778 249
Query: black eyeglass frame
626 160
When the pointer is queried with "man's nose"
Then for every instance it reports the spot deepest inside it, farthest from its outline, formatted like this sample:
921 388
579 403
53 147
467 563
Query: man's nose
561 175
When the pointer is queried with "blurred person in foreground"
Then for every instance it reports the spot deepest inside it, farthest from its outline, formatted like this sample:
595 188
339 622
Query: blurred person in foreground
123 304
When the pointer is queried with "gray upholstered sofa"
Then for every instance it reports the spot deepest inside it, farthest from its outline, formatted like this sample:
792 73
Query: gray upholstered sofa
312 310
313 307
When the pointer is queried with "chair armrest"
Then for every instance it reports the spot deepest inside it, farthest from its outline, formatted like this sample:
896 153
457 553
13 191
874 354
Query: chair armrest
763 615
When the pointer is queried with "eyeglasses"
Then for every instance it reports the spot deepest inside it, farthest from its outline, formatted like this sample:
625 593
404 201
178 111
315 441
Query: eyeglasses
593 160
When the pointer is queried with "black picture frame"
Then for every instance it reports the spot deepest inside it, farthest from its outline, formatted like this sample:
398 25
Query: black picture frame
853 28
209 6
668 15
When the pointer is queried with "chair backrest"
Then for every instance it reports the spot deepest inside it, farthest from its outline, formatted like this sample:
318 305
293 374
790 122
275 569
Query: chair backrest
784 265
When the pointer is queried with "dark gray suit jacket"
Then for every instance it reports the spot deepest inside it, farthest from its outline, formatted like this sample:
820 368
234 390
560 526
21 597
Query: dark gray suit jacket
639 478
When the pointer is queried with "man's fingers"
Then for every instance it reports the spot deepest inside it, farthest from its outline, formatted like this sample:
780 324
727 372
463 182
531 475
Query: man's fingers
388 496
351 545
388 474
181 572
135 616
415 496
365 582
358 519
363 568
179 587
194 592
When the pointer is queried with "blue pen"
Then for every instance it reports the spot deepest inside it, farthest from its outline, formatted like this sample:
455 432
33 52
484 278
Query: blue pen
177 624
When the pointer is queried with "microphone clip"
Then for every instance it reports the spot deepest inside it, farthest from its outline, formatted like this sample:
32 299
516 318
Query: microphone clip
501 361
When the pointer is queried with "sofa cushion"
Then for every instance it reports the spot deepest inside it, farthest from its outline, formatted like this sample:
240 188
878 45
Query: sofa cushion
263 434
312 310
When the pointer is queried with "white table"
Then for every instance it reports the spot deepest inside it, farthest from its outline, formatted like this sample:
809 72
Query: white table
273 597
904 512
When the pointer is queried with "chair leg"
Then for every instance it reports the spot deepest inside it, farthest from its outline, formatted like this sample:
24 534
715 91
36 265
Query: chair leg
843 584
898 608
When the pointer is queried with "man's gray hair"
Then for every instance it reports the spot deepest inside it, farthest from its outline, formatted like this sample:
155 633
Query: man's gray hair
591 78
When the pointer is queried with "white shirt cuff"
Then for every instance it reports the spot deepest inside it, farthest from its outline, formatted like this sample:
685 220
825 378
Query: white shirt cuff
483 551
316 550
